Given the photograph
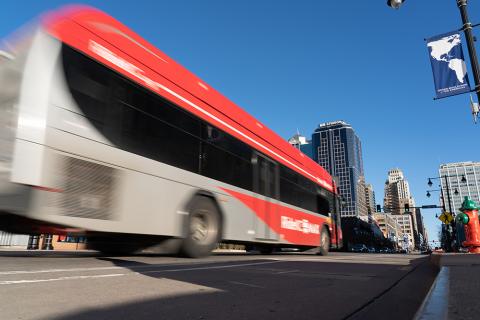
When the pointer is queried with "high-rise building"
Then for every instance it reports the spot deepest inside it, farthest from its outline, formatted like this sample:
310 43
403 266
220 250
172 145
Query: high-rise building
370 199
337 148
406 238
422 232
397 192
300 142
397 199
390 227
455 173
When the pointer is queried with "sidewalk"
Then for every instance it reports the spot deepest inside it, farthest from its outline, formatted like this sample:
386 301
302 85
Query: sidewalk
456 291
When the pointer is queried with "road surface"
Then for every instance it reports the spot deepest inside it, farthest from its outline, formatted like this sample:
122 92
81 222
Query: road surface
87 285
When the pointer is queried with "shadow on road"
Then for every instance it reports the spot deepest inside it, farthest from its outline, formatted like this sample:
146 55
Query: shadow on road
268 289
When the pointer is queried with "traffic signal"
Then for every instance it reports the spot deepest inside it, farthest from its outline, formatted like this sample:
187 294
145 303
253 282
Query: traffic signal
379 208
407 207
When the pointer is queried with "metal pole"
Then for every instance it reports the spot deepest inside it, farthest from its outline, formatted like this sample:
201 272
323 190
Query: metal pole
467 28
452 224
448 194
443 200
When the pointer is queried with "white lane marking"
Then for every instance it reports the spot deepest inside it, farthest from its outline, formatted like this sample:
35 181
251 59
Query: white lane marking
126 267
212 267
347 261
58 270
247 284
288 271
7 282
61 279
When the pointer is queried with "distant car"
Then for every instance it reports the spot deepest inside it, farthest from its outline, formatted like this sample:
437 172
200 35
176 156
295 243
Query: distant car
359 248
384 250
371 250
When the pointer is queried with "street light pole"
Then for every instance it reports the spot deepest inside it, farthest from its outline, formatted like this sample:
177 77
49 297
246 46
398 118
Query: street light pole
467 28
452 224
448 194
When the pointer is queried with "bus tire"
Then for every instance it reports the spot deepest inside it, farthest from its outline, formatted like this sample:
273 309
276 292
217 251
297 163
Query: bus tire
203 228
324 242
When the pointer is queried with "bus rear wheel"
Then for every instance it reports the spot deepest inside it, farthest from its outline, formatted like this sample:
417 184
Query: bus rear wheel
324 242
203 229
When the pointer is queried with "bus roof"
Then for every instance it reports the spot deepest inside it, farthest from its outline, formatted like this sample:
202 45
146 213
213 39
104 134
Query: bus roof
78 25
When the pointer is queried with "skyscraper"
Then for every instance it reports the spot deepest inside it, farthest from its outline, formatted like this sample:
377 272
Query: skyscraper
422 232
397 192
397 196
300 142
455 173
370 199
337 148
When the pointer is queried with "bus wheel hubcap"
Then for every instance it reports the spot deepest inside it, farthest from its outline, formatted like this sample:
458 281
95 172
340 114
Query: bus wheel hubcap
201 227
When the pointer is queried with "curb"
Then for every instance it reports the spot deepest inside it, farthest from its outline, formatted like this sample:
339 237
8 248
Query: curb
435 304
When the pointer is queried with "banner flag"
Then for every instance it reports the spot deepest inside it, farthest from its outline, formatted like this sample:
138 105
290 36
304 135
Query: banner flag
448 64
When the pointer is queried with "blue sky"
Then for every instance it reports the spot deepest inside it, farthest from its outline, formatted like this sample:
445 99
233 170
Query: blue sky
295 64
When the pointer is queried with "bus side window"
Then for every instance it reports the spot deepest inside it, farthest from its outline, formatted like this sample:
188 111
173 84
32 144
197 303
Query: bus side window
323 205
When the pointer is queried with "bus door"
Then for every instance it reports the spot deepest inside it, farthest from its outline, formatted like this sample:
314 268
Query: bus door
328 205
336 222
266 185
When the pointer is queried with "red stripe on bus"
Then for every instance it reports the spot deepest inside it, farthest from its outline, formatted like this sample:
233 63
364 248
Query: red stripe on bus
291 225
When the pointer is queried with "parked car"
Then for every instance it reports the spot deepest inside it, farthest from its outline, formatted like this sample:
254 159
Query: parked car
359 248
371 250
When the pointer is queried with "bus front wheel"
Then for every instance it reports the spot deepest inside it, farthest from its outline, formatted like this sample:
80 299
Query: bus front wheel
203 228
324 242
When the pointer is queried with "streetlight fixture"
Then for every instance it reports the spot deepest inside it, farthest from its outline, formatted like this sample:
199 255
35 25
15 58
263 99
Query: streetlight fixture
464 180
455 192
429 182
428 194
395 4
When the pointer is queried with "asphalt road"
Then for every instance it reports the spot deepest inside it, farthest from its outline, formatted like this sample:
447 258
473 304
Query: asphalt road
85 285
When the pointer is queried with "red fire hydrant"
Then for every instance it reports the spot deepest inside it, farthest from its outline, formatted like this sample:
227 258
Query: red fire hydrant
469 217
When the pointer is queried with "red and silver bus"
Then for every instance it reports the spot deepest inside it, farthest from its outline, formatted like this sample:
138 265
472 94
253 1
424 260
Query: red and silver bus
103 134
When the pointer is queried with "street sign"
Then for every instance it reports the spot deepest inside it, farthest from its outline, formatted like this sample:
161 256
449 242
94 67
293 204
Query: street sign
446 217
449 217
443 218
429 206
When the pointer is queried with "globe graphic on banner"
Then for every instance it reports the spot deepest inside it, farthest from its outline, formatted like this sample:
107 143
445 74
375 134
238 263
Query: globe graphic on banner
440 51
448 64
